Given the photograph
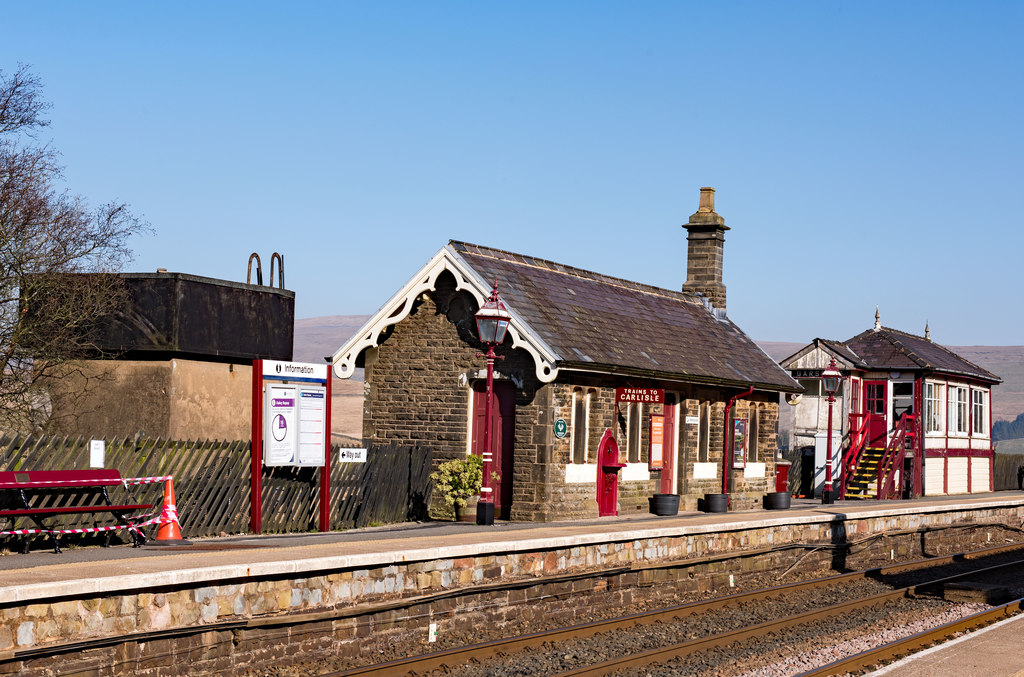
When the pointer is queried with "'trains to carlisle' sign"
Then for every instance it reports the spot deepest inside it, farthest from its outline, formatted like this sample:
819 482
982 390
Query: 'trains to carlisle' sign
646 395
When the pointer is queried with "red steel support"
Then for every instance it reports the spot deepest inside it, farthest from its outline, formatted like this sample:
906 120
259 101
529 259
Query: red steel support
325 471
256 450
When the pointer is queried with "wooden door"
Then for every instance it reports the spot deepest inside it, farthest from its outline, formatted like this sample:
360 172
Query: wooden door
503 426
874 408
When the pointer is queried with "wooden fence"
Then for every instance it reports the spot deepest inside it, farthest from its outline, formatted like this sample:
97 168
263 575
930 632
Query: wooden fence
1007 471
211 482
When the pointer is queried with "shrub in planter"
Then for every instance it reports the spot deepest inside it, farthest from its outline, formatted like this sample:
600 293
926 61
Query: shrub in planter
458 480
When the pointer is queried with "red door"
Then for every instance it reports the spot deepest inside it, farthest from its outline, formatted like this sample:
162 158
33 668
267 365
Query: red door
503 424
608 467
874 408
668 448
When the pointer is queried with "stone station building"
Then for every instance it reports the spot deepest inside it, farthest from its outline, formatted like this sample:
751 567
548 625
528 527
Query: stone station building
575 337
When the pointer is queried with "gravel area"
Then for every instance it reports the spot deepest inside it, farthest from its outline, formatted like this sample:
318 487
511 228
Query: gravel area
788 653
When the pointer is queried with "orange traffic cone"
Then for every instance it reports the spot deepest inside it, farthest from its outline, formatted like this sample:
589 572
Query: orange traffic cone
169 531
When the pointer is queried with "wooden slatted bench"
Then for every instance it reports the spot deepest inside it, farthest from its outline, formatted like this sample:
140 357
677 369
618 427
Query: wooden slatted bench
38 494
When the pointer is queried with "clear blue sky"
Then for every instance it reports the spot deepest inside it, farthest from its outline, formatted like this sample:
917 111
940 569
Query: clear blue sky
864 153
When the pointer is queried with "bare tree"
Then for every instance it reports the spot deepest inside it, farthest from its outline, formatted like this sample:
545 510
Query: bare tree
58 261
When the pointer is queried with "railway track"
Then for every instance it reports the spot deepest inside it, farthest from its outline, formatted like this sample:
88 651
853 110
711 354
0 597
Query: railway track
725 625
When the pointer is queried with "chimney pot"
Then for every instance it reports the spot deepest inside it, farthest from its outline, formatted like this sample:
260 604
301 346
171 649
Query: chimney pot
707 200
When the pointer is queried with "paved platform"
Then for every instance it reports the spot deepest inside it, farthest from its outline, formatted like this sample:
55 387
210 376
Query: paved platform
43 575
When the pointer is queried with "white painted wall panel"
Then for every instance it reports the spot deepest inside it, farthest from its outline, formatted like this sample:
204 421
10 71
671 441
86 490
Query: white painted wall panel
957 482
581 473
980 475
705 471
933 476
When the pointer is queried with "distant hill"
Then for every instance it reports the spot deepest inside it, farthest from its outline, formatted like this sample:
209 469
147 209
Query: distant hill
319 337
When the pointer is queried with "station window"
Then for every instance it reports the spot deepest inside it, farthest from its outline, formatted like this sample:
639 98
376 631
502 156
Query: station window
580 425
704 432
933 408
634 427
957 410
979 413
752 435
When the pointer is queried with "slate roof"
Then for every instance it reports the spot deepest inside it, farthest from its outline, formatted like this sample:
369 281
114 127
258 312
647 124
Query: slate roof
890 349
599 323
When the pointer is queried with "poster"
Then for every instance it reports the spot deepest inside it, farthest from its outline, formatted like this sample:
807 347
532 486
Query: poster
312 425
280 432
739 442
657 457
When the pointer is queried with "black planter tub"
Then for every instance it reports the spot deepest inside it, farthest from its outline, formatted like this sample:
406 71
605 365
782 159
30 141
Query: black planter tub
664 504
716 502
777 500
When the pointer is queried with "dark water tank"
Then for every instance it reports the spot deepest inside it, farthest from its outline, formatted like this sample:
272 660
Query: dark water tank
181 315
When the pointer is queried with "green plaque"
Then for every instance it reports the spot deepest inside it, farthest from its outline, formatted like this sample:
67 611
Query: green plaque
561 428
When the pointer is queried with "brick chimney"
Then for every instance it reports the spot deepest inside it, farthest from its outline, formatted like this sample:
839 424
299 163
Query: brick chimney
705 242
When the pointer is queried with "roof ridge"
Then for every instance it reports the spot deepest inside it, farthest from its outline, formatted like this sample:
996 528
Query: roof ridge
948 351
563 269
887 333
921 362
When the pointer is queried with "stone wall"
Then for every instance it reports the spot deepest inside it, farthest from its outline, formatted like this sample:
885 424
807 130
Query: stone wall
174 399
346 606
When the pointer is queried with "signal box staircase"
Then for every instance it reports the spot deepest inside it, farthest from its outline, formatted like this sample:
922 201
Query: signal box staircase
874 472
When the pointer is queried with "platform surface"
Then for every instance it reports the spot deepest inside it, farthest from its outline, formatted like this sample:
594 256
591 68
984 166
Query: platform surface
44 574
994 651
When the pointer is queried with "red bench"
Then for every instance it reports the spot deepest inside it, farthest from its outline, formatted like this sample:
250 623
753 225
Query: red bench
24 494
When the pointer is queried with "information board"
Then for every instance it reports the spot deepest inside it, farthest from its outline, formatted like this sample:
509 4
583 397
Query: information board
294 413
291 425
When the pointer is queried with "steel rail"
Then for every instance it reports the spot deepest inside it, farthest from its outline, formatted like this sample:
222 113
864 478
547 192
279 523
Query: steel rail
685 649
464 654
922 640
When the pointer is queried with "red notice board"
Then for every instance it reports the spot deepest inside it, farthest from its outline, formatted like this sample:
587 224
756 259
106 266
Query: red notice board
656 459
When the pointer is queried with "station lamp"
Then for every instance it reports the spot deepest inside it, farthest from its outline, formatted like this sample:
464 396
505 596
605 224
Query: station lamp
491 324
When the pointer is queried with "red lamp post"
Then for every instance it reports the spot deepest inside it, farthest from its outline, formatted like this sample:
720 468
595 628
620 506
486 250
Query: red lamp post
491 323
830 382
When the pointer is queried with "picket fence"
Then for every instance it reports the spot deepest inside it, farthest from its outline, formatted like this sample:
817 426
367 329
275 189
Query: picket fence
211 482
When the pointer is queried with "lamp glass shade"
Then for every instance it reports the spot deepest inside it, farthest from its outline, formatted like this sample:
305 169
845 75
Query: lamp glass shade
830 378
492 320
486 328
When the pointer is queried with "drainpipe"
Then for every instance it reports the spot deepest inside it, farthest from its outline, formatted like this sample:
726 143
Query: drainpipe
725 438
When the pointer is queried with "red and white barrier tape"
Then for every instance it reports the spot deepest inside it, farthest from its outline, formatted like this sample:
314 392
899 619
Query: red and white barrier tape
91 530
85 530
125 481
146 480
